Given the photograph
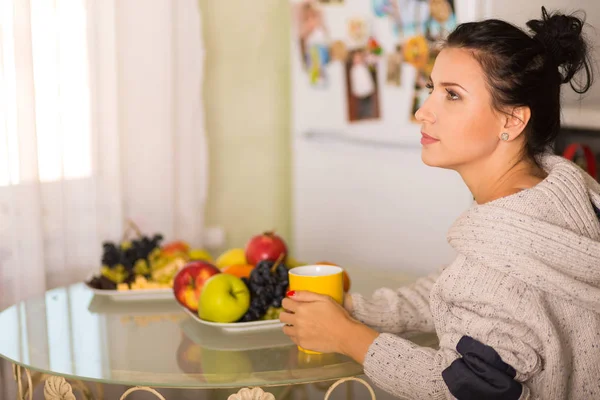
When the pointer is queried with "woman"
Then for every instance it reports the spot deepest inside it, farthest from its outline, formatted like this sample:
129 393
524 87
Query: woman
518 311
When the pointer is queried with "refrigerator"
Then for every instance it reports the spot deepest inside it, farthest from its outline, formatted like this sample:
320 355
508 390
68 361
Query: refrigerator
361 195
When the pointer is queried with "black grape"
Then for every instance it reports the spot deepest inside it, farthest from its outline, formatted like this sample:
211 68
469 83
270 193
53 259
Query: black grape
277 302
265 265
280 291
111 255
282 272
267 289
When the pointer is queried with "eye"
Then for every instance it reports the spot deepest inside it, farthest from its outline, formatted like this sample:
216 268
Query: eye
429 86
452 95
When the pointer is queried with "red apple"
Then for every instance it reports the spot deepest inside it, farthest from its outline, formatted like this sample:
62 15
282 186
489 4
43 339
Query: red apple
189 282
267 246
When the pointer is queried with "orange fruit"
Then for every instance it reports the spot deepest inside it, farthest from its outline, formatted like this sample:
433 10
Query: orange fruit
239 270
345 275
175 247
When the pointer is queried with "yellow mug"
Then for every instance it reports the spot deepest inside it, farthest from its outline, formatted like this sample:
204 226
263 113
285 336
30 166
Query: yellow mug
322 279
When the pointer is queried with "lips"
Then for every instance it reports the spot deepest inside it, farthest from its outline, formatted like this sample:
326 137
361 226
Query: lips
426 139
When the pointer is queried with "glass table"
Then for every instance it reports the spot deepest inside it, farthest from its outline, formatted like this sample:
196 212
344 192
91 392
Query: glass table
70 335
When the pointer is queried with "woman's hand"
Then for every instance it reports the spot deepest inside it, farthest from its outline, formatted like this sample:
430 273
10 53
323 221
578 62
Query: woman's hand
348 302
317 322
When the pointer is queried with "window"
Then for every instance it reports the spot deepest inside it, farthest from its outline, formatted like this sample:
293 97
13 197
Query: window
49 83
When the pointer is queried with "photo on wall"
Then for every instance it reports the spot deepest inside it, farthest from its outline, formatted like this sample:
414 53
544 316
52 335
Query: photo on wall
358 30
432 18
313 39
362 89
422 47
441 20
338 51
394 62
381 8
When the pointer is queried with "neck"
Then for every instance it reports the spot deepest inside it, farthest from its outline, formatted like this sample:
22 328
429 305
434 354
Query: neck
500 175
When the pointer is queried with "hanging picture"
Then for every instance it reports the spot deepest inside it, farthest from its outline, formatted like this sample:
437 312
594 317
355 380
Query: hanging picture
338 51
381 8
318 58
421 49
362 88
416 51
432 18
394 67
441 11
313 40
358 32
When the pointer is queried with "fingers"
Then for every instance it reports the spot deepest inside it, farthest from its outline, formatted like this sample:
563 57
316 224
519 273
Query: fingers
287 318
348 302
306 296
289 305
291 332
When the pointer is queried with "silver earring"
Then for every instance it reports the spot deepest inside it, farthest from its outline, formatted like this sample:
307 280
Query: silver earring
504 136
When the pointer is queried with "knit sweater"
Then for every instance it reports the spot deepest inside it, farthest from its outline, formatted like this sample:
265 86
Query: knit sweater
517 313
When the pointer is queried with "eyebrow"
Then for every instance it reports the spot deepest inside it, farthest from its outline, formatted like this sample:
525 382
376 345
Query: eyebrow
446 84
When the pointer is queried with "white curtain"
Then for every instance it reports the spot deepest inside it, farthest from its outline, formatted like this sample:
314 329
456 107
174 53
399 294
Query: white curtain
101 121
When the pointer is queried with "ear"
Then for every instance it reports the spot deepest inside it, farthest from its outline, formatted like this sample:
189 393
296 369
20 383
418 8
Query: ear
516 121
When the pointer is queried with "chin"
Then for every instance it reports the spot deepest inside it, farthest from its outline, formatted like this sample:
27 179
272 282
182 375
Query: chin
433 158
429 158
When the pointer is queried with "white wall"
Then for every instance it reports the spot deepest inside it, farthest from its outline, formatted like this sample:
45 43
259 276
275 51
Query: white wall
373 207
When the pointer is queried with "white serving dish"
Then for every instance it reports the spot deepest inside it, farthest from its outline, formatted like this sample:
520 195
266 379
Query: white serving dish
238 327
135 295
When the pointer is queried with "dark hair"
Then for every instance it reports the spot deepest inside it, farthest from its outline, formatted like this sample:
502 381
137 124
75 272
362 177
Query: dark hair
524 70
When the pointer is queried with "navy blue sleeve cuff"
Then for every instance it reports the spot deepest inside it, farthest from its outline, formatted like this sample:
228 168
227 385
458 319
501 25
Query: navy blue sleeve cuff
480 374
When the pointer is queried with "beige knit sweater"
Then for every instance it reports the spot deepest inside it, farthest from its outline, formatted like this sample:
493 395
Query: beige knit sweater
526 282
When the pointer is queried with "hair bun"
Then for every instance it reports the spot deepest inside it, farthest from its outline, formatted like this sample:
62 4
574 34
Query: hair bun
562 38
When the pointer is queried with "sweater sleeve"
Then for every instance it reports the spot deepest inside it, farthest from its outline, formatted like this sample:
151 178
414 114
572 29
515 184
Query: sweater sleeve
398 311
409 371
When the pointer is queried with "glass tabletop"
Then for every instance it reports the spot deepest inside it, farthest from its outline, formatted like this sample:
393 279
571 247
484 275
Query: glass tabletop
73 333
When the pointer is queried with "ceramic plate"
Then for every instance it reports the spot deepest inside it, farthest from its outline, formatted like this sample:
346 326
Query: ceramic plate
105 305
238 327
134 295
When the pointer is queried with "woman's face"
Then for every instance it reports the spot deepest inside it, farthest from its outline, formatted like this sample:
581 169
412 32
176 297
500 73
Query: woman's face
458 124
310 18
358 58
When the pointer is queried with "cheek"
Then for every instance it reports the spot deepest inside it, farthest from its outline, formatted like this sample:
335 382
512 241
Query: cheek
471 132
466 135
475 123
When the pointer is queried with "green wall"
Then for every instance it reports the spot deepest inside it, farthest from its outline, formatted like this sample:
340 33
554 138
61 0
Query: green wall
247 106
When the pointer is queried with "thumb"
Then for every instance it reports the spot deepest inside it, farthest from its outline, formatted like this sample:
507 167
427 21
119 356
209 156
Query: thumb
306 296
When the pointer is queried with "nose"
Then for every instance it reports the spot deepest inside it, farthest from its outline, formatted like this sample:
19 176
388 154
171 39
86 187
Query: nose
424 114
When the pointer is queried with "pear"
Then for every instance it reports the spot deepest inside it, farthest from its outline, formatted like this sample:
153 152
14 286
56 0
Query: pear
200 254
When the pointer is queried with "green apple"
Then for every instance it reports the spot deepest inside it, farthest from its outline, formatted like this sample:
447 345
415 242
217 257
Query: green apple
224 298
